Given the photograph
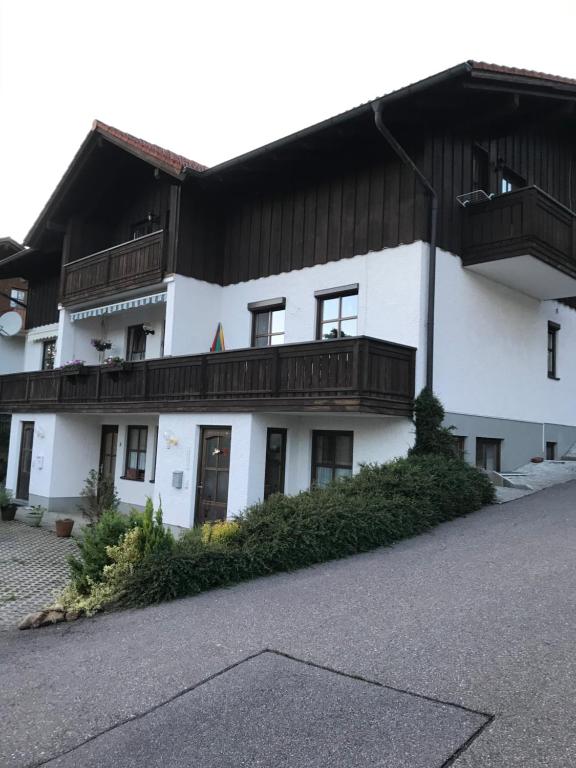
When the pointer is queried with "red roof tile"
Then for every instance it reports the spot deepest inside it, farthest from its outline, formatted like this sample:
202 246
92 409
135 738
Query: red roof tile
176 162
501 70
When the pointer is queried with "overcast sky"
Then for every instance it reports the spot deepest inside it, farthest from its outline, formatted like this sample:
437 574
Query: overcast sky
214 79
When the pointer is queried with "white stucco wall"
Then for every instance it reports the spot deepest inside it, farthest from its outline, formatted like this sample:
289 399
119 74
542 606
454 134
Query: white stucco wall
42 452
34 346
375 439
11 354
391 295
75 338
66 447
491 349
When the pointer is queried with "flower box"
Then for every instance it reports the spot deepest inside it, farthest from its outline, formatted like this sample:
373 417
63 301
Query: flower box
73 370
116 367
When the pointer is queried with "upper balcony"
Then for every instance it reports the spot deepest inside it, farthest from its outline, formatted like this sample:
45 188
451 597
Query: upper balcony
134 264
359 374
525 240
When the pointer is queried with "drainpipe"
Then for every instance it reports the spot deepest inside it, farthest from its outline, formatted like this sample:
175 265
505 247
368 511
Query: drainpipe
407 160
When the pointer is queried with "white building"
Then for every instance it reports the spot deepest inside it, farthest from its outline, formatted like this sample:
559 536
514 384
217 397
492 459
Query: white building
313 256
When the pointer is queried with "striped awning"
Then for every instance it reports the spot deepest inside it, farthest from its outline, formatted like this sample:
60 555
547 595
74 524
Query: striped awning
44 337
120 306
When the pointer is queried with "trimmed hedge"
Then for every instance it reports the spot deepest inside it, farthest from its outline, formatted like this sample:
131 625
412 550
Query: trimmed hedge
377 507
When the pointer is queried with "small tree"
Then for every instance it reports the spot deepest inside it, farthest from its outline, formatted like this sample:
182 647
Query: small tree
99 495
431 436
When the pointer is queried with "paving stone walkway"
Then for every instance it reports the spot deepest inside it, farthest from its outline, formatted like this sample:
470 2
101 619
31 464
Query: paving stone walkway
33 569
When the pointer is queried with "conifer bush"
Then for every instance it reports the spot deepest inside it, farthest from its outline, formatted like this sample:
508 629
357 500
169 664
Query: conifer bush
88 566
431 436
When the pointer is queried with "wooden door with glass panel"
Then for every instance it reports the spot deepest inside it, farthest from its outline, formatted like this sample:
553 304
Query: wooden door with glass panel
213 475
275 468
108 449
25 463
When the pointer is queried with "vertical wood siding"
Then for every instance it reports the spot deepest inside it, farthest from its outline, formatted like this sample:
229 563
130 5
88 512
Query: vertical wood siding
43 301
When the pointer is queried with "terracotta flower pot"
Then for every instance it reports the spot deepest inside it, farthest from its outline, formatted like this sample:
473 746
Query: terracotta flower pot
64 527
9 512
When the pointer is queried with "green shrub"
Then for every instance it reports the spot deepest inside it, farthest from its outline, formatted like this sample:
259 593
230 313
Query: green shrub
431 436
179 574
136 561
155 538
376 507
111 586
99 495
6 496
88 567
222 532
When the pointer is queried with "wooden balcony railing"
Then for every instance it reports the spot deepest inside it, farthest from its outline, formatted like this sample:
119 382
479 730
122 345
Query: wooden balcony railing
525 222
353 374
133 264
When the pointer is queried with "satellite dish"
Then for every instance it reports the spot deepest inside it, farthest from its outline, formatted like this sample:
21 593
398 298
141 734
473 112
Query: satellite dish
10 324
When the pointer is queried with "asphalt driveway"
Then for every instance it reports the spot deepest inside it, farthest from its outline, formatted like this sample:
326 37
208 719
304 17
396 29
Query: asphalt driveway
453 648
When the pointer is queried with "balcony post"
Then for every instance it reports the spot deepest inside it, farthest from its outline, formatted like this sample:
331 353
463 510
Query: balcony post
202 377
145 380
275 372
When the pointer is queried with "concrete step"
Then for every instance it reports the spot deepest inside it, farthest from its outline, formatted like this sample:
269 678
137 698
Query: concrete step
509 480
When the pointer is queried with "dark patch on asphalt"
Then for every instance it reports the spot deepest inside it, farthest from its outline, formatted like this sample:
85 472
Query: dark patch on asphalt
272 709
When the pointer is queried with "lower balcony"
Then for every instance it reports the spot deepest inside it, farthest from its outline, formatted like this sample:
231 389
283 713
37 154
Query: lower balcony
525 240
358 374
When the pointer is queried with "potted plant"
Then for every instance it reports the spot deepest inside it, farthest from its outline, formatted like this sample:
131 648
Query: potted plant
36 514
72 367
7 506
64 527
101 345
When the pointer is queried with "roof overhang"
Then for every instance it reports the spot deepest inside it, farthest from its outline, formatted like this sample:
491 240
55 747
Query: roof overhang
8 247
28 263
96 137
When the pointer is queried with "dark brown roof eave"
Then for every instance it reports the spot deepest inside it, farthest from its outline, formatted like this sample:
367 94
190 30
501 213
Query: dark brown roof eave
27 263
351 114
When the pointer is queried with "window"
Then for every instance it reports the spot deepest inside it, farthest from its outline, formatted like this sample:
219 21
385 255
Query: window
337 313
553 329
460 443
511 181
331 456
275 462
551 451
136 345
488 452
17 298
268 318
48 354
136 440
